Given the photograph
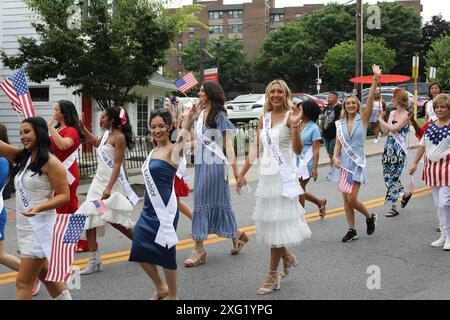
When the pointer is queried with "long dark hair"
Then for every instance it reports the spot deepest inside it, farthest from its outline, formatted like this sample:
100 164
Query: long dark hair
70 115
3 134
311 109
216 97
429 89
165 115
43 147
113 114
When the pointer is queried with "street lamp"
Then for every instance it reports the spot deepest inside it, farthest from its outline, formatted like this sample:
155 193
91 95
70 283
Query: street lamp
319 81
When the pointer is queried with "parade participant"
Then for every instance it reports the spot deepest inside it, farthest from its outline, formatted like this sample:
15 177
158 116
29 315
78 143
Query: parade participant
378 106
65 137
435 144
109 184
349 155
308 161
396 151
212 201
278 215
433 90
155 239
331 113
41 187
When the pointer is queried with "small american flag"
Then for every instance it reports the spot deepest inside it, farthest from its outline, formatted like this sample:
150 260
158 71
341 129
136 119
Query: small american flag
100 206
187 82
16 88
346 182
66 233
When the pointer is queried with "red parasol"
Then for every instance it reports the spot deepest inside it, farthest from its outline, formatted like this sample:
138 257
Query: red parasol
384 78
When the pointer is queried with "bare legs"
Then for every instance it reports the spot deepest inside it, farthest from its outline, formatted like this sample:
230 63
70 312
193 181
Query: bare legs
184 209
310 197
7 259
162 289
351 203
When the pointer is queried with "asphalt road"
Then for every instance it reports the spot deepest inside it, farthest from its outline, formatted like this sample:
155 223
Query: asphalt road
399 251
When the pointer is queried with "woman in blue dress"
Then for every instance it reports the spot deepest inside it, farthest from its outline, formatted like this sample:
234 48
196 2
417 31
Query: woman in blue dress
154 239
395 151
213 213
308 162
354 127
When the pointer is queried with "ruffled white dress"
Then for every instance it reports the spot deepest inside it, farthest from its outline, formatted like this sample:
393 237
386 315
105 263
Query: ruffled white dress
279 220
119 207
39 191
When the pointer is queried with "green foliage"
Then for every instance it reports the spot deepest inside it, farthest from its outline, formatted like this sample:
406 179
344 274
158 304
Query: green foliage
116 47
432 31
439 57
340 60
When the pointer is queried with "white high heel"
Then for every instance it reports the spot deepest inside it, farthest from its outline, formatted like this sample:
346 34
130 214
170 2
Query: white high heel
274 284
94 265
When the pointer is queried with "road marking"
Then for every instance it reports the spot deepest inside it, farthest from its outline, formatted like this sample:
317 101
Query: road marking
189 243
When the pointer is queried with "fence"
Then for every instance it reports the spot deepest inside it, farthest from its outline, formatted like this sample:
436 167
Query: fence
87 156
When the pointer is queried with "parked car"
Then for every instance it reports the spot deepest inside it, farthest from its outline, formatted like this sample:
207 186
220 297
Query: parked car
245 107
305 97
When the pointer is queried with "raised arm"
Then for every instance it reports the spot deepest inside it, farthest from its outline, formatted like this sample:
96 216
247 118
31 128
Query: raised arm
8 151
293 124
61 143
371 98
393 127
88 136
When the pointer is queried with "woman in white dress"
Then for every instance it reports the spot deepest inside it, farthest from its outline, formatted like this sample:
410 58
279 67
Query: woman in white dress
106 185
278 215
38 176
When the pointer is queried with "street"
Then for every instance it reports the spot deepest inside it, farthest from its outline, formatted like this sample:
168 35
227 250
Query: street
399 251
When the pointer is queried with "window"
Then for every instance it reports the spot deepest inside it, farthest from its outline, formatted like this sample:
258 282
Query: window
180 46
215 15
235 28
39 94
179 60
142 116
216 29
191 32
276 17
235 14
158 103
298 16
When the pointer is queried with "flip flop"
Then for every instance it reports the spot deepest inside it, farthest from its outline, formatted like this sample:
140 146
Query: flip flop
392 213
405 200
323 210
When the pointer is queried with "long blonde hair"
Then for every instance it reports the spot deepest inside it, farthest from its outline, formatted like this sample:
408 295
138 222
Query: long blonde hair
344 113
287 96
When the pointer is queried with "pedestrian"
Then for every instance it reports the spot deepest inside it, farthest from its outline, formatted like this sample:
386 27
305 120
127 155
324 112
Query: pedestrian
41 187
308 161
396 151
433 90
435 144
378 106
213 212
155 239
278 215
331 113
349 156
109 185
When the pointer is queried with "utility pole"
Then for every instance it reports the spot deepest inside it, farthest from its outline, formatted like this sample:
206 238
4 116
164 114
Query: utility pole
319 81
205 58
358 43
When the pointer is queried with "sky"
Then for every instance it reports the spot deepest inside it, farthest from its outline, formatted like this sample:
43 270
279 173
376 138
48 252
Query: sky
430 7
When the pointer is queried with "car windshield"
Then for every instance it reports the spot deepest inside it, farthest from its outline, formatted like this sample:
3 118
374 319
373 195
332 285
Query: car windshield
248 98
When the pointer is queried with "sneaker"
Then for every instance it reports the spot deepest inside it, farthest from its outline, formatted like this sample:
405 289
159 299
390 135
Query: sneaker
447 243
351 235
439 243
371 224
375 141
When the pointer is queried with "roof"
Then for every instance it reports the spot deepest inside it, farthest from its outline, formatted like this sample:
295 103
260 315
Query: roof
159 80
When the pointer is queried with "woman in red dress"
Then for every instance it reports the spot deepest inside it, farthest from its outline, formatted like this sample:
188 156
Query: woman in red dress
65 138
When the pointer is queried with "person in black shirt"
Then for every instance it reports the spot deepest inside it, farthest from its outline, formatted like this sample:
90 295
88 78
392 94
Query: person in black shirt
331 113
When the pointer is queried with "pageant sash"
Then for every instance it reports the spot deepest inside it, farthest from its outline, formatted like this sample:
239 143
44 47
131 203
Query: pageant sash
291 189
68 163
42 224
209 144
302 169
397 136
166 235
104 156
356 158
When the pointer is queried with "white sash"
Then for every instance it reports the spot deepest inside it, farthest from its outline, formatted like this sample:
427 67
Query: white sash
397 136
42 224
356 158
166 235
68 163
104 156
182 169
209 144
291 189
302 169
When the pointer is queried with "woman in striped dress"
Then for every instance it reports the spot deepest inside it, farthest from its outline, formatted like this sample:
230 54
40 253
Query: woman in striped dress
435 144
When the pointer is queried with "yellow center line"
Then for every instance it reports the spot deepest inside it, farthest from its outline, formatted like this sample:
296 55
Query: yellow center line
189 243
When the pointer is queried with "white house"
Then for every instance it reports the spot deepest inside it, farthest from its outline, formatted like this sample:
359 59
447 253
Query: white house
15 22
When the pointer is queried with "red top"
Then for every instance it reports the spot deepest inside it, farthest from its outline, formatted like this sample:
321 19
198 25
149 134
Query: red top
69 132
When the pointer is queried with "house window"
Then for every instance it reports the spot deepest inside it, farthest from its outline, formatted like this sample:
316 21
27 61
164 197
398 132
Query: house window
191 32
158 102
142 116
298 16
235 28
216 29
215 15
276 17
39 94
180 46
235 14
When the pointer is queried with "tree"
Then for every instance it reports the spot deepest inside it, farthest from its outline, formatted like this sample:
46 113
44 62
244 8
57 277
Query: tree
115 48
439 57
340 60
432 31
234 69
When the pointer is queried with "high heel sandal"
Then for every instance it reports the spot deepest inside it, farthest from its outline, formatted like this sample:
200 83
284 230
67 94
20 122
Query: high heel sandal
323 210
289 260
241 241
93 265
274 283
195 259
159 296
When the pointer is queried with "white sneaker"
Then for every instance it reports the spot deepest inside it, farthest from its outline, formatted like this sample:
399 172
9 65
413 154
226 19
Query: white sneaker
447 244
375 141
440 243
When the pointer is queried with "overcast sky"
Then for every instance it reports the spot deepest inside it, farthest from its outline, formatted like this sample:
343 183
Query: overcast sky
430 7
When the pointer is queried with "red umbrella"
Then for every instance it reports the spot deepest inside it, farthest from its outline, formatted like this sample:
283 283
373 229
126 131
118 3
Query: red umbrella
384 78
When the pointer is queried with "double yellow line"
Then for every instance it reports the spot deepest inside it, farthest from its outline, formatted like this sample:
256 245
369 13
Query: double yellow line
189 243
